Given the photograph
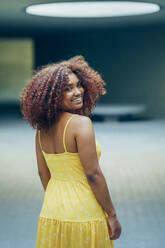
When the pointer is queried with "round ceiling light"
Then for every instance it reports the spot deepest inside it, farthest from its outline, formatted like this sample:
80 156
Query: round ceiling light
92 9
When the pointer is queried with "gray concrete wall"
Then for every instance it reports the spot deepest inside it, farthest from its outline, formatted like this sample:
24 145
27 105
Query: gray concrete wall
131 61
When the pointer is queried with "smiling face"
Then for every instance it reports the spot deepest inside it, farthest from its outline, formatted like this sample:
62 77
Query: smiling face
73 93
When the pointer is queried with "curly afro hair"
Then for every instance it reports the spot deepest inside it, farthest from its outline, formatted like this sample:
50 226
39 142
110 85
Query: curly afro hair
42 96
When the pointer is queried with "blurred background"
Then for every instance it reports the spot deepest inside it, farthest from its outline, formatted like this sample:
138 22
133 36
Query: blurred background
129 121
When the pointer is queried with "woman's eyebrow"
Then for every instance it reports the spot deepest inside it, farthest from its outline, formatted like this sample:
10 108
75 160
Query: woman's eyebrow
70 84
67 85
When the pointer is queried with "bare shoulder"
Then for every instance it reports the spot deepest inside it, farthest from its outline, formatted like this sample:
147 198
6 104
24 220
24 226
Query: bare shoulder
82 124
81 120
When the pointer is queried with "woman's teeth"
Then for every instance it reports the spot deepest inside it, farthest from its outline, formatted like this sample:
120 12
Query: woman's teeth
77 99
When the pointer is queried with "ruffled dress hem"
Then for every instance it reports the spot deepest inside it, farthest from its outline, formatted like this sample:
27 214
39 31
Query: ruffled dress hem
73 234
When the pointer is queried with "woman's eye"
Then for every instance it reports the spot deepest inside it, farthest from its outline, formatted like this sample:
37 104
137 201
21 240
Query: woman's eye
67 89
79 84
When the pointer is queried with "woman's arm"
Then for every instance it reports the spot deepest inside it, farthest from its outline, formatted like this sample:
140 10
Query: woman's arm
43 170
85 138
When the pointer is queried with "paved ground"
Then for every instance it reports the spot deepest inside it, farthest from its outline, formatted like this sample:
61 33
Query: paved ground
133 162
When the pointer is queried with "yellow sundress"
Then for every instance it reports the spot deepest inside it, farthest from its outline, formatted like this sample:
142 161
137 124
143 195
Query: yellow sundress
71 216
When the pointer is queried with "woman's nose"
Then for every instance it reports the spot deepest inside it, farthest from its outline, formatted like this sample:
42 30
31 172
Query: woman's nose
77 91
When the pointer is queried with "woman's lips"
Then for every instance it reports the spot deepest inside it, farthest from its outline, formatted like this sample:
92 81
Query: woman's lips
78 100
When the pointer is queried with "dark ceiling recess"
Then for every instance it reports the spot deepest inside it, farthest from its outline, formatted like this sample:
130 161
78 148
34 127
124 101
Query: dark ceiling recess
15 22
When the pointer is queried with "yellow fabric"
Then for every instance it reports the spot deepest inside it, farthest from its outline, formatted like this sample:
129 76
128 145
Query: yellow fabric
70 217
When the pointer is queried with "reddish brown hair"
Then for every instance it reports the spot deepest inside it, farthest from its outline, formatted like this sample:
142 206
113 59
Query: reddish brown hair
42 96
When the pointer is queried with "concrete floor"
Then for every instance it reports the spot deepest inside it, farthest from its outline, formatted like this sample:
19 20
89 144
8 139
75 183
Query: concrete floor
133 162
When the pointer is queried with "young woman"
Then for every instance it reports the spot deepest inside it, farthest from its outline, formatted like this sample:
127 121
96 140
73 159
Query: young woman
77 210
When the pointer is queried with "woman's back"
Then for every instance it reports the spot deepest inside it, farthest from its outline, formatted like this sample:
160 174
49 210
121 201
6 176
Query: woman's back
69 186
52 141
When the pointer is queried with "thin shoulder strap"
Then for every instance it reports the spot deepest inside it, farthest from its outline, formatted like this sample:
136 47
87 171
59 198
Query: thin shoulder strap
65 131
40 140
